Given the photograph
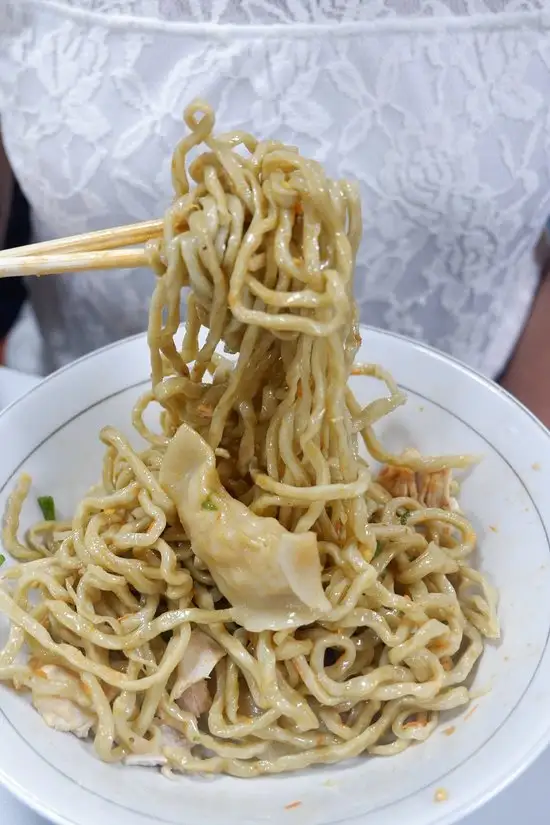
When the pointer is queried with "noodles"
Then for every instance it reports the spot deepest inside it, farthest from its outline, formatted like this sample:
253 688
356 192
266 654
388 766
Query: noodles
243 596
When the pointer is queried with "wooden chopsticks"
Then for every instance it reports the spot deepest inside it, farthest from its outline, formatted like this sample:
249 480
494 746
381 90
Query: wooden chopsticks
92 250
72 262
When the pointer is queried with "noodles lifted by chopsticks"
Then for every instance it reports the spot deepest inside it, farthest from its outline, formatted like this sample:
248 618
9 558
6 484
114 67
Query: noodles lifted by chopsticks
243 596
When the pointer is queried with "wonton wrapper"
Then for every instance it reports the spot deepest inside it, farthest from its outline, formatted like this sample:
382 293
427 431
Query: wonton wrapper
271 577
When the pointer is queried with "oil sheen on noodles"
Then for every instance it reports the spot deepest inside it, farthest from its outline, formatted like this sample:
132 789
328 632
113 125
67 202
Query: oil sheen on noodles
241 594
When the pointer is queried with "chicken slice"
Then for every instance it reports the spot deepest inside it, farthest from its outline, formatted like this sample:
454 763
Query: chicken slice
65 715
169 737
199 660
145 760
196 699
59 712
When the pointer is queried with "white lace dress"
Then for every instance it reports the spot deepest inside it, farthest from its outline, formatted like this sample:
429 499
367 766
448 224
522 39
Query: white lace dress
440 108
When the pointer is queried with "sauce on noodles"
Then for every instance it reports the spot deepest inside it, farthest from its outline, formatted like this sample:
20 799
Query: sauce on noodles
244 595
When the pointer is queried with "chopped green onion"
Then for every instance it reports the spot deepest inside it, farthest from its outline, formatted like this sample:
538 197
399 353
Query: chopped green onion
47 505
208 504
2 559
404 516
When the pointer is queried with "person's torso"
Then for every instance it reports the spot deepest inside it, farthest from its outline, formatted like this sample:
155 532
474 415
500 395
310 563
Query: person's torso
440 109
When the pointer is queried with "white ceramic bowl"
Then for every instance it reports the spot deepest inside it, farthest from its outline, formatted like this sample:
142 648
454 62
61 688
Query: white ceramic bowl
52 433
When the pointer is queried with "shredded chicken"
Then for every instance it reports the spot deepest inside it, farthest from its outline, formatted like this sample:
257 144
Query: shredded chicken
434 489
399 482
430 489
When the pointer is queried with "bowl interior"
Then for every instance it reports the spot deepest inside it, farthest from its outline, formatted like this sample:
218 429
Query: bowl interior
53 435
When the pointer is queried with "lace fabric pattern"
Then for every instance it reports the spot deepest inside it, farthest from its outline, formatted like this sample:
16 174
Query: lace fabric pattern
446 129
298 11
